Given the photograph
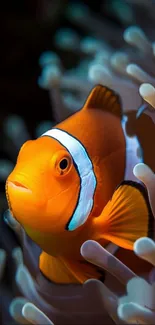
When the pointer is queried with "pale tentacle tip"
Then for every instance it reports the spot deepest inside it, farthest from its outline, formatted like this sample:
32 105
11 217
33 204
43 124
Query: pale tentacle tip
90 45
125 311
15 309
142 170
35 315
119 61
147 91
132 312
135 35
98 73
48 57
144 246
88 247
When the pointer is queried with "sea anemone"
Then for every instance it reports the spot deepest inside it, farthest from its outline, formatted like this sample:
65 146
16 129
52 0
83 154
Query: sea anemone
71 303
120 70
139 303
101 56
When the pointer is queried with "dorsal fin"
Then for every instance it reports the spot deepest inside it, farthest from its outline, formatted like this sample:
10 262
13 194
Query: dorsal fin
105 99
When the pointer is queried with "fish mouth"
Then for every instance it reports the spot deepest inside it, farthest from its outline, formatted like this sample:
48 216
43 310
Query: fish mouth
18 186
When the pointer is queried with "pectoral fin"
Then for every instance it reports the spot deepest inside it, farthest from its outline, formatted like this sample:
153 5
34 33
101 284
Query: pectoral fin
126 217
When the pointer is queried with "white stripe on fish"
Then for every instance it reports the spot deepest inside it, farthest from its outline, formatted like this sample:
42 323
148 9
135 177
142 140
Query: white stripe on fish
86 173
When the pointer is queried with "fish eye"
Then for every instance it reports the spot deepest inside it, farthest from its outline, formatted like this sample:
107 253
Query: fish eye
64 163
61 163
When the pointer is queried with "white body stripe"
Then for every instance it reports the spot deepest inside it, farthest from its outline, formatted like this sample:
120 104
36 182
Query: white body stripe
86 173
132 144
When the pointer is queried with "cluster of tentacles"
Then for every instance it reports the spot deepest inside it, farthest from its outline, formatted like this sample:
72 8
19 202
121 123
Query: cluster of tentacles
40 302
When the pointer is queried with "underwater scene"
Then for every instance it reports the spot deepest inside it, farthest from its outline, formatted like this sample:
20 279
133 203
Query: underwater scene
77 162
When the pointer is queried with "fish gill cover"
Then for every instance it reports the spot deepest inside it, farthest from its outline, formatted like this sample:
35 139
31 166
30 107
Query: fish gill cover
122 58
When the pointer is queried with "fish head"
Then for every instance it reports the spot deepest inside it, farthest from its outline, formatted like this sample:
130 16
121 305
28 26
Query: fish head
43 189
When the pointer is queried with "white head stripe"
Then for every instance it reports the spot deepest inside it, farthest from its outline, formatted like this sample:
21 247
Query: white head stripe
86 173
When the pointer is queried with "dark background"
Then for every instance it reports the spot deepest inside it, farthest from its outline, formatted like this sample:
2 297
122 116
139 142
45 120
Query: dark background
24 36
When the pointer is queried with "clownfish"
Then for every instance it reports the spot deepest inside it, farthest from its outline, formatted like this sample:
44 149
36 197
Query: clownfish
71 185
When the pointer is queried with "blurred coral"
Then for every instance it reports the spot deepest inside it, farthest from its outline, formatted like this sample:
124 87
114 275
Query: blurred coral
104 65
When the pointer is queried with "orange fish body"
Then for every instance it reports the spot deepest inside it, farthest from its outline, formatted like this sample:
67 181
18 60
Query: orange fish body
62 189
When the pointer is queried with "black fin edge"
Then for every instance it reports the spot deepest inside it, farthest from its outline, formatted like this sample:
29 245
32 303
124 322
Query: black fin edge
143 190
